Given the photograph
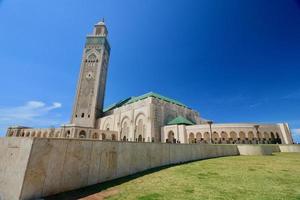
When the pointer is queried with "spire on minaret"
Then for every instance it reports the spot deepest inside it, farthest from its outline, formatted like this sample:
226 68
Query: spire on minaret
101 23
100 28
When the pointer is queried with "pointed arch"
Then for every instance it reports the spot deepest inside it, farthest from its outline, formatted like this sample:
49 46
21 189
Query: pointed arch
198 137
108 124
82 134
191 138
224 137
206 137
140 127
215 137
171 137
242 137
125 128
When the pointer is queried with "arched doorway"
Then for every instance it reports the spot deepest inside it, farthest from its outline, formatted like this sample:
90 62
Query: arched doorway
206 137
95 136
140 138
82 134
113 137
251 137
278 139
124 131
191 138
199 137
233 137
215 137
171 138
103 136
224 137
242 137
273 140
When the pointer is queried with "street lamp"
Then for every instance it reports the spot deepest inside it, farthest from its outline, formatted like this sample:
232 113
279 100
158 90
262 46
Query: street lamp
257 132
210 123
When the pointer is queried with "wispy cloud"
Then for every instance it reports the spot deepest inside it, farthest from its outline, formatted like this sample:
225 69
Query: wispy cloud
292 95
32 113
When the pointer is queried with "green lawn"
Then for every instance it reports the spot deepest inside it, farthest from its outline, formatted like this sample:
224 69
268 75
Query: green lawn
241 177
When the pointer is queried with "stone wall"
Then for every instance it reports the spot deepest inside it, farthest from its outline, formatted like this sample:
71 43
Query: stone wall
35 167
58 165
14 156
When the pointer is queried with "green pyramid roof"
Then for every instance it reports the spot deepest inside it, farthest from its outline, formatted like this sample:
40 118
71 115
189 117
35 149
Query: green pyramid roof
135 99
180 121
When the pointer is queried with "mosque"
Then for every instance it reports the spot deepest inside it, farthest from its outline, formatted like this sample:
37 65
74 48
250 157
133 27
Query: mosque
150 117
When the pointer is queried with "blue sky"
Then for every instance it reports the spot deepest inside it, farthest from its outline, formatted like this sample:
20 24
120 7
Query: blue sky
233 60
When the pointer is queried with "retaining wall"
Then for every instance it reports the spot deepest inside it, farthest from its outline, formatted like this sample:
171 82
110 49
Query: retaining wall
34 167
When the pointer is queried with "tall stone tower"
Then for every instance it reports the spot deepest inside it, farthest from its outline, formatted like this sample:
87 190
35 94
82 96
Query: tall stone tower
88 105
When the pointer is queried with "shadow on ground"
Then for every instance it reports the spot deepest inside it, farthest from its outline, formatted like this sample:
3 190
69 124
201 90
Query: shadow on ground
90 190
97 188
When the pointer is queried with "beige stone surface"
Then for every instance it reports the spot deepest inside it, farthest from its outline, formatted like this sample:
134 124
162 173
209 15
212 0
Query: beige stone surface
41 167
14 156
289 148
255 150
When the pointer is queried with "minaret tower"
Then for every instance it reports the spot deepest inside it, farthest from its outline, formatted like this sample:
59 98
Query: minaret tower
89 98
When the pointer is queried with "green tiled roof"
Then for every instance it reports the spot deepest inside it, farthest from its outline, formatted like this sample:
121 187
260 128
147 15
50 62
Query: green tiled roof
180 121
135 99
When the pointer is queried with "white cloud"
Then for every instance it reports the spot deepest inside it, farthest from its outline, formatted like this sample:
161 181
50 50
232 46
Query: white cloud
32 113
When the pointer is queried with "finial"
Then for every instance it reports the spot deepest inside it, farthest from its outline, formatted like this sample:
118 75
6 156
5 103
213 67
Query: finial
101 22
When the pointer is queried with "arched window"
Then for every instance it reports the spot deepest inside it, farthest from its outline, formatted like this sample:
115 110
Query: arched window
82 134
91 60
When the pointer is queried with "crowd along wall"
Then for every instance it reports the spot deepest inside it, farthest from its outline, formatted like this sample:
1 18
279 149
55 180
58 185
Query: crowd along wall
36 167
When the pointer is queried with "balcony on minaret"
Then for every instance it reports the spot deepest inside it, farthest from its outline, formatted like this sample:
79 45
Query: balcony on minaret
100 29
